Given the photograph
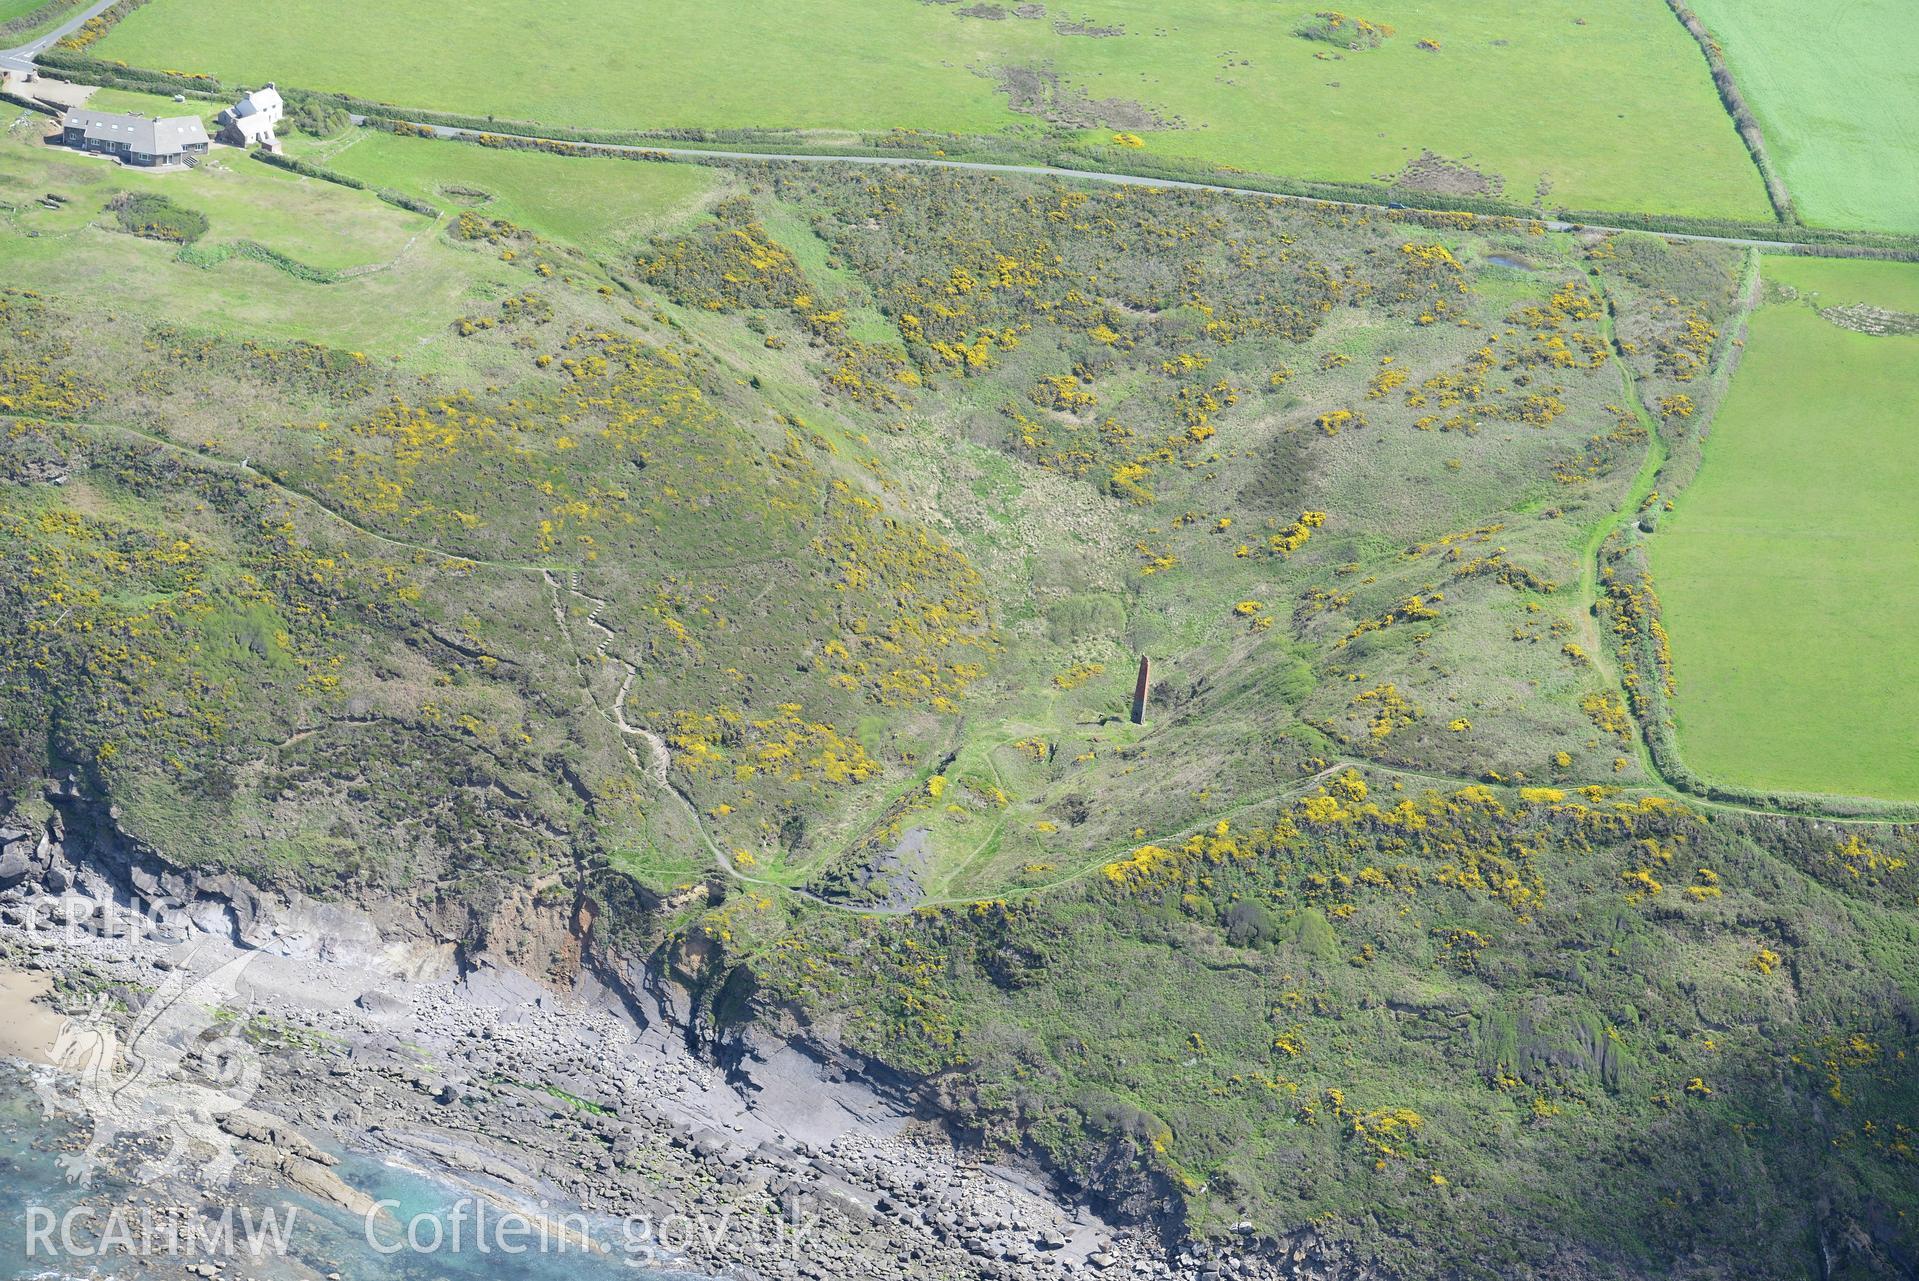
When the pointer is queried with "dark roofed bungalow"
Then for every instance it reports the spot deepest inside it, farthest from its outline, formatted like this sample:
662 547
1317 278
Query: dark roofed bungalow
135 140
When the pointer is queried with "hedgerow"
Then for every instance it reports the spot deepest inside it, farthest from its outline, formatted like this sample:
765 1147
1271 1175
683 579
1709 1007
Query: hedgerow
307 168
34 19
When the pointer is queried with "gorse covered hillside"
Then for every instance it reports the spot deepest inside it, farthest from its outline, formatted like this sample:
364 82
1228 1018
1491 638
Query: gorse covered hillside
1274 444
752 609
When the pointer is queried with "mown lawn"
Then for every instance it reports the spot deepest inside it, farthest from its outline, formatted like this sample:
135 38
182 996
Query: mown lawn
599 205
1836 89
1790 571
408 287
315 223
1600 106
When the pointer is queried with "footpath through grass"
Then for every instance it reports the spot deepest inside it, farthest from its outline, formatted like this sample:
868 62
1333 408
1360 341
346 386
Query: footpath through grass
1836 88
1790 570
1597 106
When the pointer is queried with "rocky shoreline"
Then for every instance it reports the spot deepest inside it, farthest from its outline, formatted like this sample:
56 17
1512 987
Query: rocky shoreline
566 1105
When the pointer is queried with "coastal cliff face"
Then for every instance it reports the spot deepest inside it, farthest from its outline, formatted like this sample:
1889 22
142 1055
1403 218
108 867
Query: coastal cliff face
828 1119
70 842
728 1070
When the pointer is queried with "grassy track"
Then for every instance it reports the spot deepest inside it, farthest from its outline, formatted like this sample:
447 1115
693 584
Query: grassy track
1836 89
1643 481
1610 106
600 205
1790 571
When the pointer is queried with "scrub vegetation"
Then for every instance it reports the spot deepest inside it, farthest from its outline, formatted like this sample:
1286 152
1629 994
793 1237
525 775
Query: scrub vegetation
760 558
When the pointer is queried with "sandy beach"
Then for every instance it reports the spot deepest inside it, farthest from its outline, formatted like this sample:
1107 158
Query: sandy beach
27 1030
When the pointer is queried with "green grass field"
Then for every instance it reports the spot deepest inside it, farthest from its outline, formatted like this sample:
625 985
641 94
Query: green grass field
1837 91
1790 570
600 205
1600 106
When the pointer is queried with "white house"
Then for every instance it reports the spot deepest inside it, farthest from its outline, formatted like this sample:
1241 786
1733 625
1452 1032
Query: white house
251 120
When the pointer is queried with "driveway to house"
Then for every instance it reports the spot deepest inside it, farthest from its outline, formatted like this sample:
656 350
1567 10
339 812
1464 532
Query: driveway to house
21 59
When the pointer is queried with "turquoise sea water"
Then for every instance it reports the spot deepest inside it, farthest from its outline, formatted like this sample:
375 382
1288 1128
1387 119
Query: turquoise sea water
319 1240
427 1209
